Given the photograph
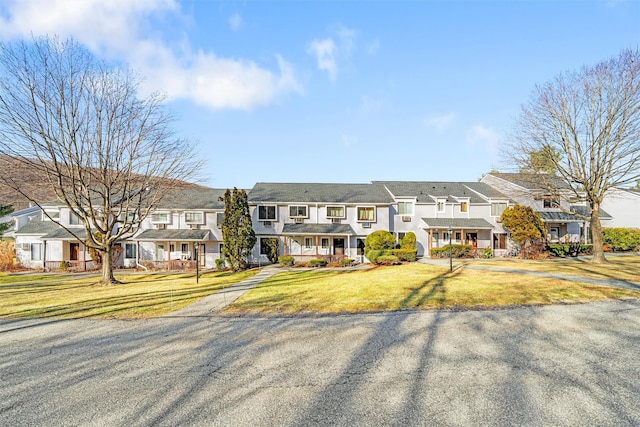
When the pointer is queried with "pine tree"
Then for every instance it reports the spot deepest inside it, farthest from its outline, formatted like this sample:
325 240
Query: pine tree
237 233
4 210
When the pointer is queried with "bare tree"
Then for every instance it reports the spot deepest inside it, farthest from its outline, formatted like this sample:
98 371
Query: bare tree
78 125
591 118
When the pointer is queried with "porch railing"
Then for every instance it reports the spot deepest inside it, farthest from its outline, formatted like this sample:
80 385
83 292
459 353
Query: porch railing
73 266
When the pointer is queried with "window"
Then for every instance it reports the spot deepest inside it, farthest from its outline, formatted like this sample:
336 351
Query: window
130 250
498 208
405 208
308 242
184 248
130 217
464 206
550 202
554 233
445 236
360 245
36 252
193 218
74 219
366 214
499 241
458 235
266 213
325 243
297 211
441 205
54 215
219 219
335 211
160 218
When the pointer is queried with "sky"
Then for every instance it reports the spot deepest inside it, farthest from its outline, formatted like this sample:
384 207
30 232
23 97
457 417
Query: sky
339 91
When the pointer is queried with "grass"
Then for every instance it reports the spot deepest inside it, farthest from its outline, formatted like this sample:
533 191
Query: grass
619 267
413 286
142 295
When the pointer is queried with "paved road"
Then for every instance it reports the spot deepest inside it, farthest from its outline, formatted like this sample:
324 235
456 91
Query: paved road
552 365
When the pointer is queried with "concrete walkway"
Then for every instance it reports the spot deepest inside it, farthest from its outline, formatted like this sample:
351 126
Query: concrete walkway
215 303
569 277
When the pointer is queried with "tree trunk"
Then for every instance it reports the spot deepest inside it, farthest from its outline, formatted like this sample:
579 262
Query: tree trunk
107 267
596 235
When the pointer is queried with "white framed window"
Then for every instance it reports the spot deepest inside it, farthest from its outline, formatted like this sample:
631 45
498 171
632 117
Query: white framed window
464 206
130 217
405 208
554 234
36 252
498 208
266 213
440 205
550 202
194 217
308 242
160 218
298 211
130 250
74 219
366 213
51 215
335 211
324 243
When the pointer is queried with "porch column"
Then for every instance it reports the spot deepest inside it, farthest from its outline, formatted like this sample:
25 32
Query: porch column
168 256
348 246
463 237
546 231
491 240
429 243
44 255
137 253
84 258
285 245
316 245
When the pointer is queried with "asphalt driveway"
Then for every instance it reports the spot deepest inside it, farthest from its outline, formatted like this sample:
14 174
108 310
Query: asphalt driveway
551 365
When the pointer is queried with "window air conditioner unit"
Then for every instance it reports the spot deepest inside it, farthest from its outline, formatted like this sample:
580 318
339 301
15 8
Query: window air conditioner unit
335 220
25 246
266 223
194 226
161 226
406 219
366 225
299 221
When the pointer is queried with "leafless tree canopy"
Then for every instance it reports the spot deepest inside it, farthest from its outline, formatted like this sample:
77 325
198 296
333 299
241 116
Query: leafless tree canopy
591 118
79 126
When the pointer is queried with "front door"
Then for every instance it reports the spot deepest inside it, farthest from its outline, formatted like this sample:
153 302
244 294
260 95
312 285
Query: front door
338 246
472 239
74 251
160 253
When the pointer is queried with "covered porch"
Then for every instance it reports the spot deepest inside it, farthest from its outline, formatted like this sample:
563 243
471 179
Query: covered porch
331 242
476 232
564 227
62 251
171 250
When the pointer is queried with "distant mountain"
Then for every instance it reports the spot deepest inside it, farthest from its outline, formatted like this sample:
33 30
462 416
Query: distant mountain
37 185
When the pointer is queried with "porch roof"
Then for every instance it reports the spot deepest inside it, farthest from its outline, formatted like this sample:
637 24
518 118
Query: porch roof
328 229
560 216
171 235
62 234
463 223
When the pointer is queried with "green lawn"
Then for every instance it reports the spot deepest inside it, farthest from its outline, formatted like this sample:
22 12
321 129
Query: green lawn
619 267
412 286
142 295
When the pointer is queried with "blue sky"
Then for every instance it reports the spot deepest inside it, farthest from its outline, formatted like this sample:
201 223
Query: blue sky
340 91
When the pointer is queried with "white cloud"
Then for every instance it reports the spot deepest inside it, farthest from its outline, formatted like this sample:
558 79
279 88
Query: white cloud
235 22
329 51
325 53
489 138
372 47
119 30
440 123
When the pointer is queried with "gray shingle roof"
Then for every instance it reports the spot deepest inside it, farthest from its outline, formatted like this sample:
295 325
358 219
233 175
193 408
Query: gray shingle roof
425 191
532 181
62 234
318 193
193 198
171 235
559 216
468 223
333 229
38 226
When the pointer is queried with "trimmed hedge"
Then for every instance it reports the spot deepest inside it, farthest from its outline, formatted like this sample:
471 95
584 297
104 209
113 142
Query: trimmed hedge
318 263
621 239
486 253
387 260
286 260
346 262
457 251
409 255
373 255
569 249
